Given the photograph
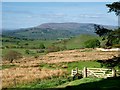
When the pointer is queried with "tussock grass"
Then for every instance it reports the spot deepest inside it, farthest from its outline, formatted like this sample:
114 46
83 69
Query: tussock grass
15 76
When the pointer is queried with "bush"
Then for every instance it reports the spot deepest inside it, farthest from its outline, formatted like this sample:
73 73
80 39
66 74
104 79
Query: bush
41 46
26 44
36 56
92 43
27 51
52 48
12 55
63 48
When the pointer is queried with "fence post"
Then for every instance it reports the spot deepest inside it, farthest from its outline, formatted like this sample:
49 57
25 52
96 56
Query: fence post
76 70
85 72
113 72
72 72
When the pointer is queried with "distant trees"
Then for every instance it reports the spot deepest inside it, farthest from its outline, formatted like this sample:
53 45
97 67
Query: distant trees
12 55
92 43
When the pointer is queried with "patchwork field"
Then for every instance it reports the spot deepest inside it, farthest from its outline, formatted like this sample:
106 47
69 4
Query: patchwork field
57 64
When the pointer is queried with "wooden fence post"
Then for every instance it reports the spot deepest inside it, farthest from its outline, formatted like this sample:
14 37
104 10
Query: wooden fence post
113 72
85 72
76 69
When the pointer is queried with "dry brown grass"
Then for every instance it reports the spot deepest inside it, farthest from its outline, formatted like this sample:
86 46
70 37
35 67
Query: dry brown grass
27 75
77 55
27 69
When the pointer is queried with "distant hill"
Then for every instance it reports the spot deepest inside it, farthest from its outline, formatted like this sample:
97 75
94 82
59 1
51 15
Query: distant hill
53 31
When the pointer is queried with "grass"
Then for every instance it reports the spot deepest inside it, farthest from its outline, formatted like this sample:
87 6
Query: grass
6 66
55 81
15 44
79 81
83 80
71 65
73 43
63 83
78 41
92 84
49 83
33 52
82 64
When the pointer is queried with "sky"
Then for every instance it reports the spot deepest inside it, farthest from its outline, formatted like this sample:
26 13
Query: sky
17 15
59 0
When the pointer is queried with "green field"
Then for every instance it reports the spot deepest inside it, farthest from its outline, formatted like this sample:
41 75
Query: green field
20 45
78 42
92 84
71 65
63 83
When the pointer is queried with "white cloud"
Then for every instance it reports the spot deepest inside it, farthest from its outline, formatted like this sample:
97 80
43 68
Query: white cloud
16 12
91 15
51 15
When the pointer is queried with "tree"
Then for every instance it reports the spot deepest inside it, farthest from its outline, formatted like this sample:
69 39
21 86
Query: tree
114 7
111 37
92 43
101 31
12 55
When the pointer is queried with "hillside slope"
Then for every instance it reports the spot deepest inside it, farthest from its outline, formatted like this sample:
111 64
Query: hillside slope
78 41
53 31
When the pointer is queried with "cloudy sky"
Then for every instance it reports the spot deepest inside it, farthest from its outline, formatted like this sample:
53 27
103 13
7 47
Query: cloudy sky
28 14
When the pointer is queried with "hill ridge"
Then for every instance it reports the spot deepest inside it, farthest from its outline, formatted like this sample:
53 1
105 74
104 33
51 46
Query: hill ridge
54 30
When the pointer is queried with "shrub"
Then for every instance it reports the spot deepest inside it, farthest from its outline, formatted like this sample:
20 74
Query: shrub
92 43
26 44
63 48
52 48
7 46
36 56
41 46
27 51
12 55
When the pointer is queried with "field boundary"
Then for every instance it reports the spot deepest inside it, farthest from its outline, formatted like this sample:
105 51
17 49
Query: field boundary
95 72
